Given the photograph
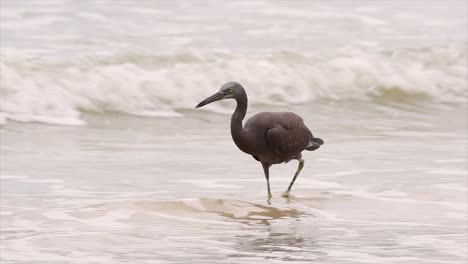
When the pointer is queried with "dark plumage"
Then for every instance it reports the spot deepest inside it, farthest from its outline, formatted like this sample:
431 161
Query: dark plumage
270 137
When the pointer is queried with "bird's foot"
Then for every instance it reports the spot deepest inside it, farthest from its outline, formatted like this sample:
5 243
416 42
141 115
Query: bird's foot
286 195
269 196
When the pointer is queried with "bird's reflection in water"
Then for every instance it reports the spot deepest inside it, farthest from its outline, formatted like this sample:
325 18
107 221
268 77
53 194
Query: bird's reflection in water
252 230
262 214
283 239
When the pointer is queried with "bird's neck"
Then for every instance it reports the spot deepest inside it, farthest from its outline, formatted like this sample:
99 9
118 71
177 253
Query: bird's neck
239 113
237 131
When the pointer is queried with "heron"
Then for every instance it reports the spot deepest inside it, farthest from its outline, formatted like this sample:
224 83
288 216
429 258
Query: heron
270 137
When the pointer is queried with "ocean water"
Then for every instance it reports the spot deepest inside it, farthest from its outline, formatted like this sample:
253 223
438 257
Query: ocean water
104 159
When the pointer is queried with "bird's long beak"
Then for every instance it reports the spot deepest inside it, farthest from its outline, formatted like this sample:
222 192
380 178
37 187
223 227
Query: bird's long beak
215 97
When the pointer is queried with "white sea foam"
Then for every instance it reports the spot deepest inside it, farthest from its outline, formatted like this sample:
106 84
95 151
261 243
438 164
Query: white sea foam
146 60
108 220
391 193
139 84
447 244
447 172
396 198
14 177
452 186
212 184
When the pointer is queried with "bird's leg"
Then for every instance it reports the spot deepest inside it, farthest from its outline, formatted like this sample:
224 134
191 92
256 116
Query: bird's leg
266 167
299 168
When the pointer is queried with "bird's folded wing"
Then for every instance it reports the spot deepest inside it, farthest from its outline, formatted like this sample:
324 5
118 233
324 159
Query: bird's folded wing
287 140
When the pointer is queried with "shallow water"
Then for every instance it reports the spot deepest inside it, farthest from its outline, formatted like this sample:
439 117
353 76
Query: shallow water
104 159
389 186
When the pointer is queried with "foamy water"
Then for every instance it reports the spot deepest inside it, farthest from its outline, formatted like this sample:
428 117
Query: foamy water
132 189
59 59
109 161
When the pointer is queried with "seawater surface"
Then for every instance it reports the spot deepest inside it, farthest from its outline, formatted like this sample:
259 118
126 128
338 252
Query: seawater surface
389 186
155 58
104 158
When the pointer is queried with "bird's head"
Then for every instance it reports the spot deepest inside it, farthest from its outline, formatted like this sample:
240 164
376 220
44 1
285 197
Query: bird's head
230 90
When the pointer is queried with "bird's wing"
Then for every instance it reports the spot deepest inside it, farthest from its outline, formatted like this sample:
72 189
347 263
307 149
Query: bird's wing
288 139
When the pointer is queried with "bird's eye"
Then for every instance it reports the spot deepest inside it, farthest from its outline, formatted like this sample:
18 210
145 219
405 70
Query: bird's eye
231 90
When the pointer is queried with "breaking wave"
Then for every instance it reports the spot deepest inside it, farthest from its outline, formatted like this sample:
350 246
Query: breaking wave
56 91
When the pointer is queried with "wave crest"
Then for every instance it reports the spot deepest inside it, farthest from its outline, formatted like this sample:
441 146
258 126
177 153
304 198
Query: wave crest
56 91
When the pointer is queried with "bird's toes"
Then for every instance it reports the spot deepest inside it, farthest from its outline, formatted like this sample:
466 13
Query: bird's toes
286 195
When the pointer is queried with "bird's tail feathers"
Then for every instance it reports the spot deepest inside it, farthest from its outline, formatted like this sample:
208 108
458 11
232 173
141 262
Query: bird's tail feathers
314 143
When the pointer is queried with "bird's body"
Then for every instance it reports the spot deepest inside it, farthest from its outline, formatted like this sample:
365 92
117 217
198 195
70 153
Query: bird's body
278 136
270 137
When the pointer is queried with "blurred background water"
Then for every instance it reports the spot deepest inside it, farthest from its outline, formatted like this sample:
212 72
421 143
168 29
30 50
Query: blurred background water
104 159
155 57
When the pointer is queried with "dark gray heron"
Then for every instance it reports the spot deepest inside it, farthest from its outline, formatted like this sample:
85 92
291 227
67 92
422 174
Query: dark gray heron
270 137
